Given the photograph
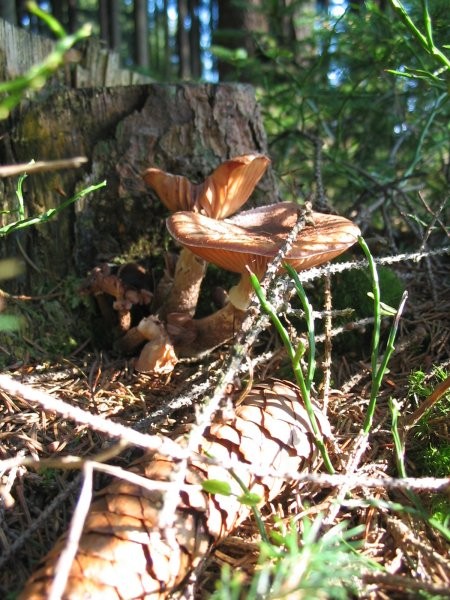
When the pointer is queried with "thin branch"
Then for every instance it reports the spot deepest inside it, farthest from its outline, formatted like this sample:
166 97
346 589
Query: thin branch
328 335
333 269
441 388
250 329
42 165
403 582
125 434
65 561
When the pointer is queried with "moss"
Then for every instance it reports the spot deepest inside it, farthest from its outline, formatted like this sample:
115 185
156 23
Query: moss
50 327
430 448
440 509
351 290
436 460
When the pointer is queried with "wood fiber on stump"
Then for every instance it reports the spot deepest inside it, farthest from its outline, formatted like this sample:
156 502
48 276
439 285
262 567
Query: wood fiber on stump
185 129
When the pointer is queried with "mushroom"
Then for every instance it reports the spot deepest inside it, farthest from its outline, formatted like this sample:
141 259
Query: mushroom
250 240
127 287
157 356
220 195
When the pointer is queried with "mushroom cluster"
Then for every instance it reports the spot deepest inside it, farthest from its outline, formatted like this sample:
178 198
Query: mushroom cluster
201 223
250 241
219 196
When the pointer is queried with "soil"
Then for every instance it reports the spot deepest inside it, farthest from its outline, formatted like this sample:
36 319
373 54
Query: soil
411 553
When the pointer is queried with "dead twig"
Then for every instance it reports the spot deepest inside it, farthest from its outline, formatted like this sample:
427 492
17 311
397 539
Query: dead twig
405 583
442 388
65 561
43 165
38 522
50 403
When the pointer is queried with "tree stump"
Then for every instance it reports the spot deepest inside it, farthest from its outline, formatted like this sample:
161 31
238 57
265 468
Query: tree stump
186 129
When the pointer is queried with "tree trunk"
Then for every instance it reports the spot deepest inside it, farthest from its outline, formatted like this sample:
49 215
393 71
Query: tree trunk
239 25
141 29
183 41
194 39
166 71
109 17
115 33
184 129
72 16
8 11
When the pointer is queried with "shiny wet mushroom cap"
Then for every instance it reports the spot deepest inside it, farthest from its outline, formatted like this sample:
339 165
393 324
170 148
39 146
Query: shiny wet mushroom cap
254 237
221 194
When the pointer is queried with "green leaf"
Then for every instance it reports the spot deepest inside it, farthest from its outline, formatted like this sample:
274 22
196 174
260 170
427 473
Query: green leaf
216 486
385 309
249 499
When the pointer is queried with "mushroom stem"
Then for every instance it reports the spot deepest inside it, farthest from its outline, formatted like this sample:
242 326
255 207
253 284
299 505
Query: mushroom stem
131 341
183 296
240 294
209 332
157 356
193 337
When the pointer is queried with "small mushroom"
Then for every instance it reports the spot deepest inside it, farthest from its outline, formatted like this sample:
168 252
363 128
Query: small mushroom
157 356
251 240
125 288
220 195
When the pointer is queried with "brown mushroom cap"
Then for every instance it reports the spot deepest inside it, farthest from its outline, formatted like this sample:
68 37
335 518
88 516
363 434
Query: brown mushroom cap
254 237
221 194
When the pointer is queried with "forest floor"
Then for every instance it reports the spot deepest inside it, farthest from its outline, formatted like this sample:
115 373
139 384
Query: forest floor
37 504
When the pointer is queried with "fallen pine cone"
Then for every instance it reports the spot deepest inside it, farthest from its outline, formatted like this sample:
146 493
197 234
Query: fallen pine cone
124 553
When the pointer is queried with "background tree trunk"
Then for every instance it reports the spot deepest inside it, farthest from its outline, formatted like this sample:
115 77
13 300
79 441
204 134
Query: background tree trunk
184 71
109 17
142 33
194 39
239 25
8 11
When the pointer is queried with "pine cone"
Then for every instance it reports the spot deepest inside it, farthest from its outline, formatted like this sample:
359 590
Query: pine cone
123 552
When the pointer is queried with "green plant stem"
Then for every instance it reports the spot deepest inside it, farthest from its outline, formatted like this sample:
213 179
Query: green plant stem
376 304
377 378
399 448
303 384
19 193
37 75
378 370
426 41
309 315
50 213
52 23
254 508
